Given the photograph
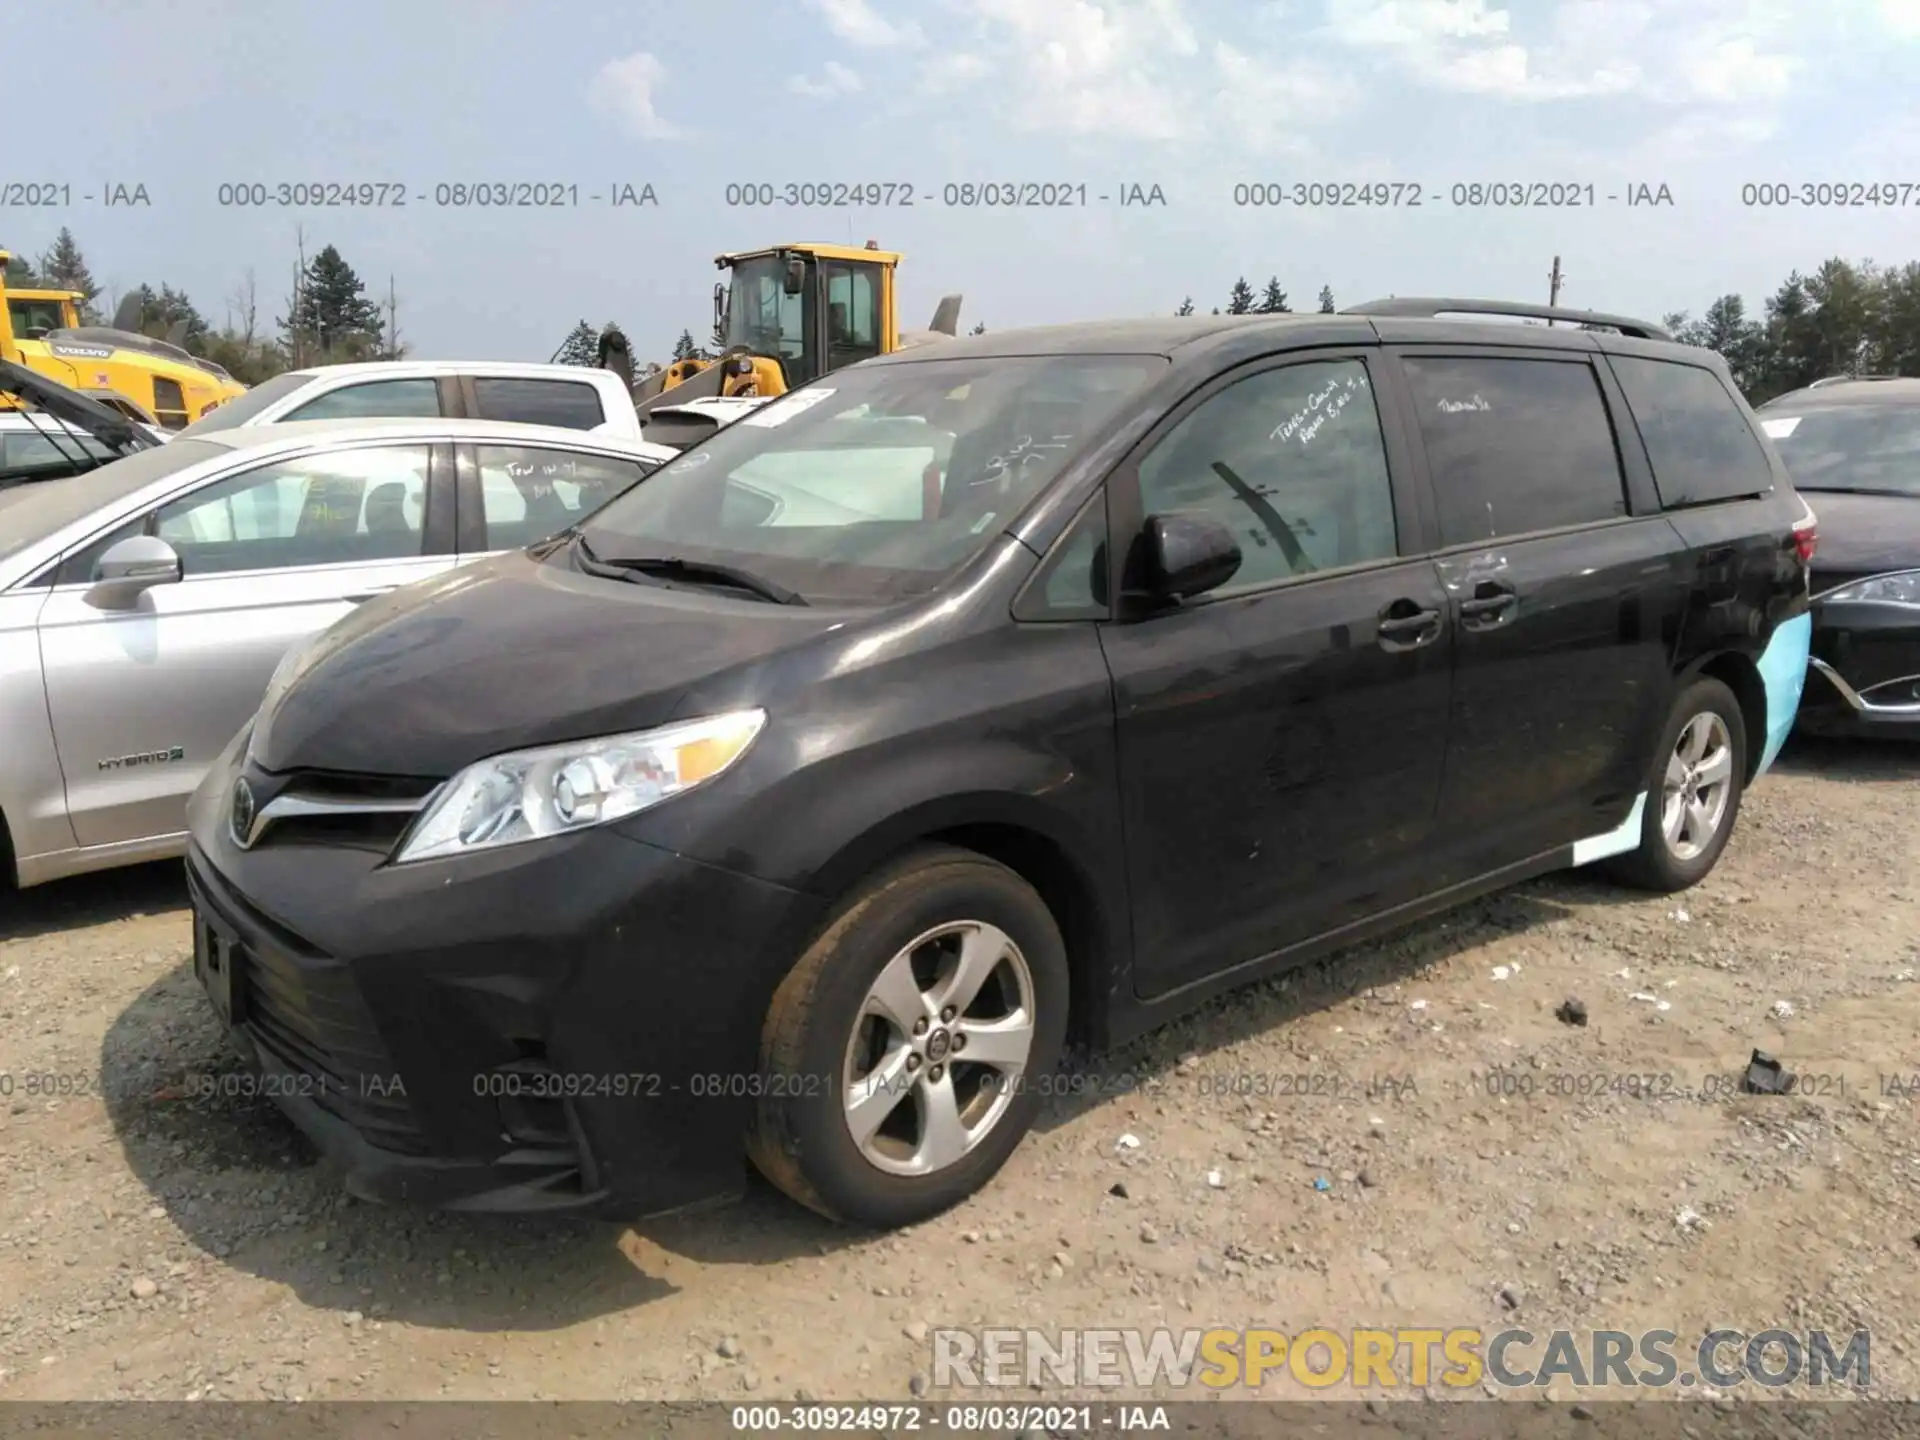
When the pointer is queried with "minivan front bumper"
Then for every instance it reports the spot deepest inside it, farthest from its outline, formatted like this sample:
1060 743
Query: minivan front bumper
568 1025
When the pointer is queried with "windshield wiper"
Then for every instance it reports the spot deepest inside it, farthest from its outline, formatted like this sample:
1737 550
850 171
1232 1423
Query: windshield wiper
694 572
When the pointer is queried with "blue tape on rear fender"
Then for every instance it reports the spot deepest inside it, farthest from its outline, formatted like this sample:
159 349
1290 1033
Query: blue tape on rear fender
1783 670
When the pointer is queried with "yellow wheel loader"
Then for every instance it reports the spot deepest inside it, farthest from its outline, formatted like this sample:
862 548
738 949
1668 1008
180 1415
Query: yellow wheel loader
41 330
785 315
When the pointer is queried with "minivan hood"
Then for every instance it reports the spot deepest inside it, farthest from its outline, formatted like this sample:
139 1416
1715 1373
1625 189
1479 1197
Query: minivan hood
1863 535
506 654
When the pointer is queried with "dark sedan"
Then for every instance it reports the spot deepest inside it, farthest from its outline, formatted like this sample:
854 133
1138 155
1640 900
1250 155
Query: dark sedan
1853 447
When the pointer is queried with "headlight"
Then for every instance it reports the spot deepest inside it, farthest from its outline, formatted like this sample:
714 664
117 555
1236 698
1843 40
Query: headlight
558 789
1901 589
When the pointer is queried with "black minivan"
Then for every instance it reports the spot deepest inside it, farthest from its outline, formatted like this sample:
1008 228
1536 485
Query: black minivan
804 802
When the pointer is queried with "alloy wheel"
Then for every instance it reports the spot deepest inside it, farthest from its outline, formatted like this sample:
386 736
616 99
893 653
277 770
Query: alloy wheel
1698 785
939 1048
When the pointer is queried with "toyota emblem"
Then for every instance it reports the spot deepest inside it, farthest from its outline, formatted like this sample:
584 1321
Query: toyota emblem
241 815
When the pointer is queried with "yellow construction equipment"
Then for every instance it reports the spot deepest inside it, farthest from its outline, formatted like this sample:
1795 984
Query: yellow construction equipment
785 315
41 330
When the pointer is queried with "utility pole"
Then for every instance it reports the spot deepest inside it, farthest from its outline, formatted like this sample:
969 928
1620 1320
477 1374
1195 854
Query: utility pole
1554 279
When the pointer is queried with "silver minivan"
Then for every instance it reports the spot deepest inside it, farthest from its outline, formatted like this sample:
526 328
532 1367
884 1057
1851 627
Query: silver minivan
145 605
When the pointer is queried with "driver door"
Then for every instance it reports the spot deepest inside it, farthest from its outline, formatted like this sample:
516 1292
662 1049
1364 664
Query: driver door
143 697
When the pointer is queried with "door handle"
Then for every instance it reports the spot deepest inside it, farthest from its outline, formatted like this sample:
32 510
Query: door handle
1406 625
1491 600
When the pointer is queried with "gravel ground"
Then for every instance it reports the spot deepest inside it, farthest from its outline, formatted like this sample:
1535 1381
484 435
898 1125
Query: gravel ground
1406 1136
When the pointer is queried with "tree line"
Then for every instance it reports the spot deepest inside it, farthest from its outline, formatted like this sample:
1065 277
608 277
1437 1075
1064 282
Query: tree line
328 316
1842 318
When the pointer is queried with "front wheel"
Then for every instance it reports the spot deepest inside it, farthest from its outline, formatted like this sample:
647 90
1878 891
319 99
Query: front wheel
1694 793
902 1048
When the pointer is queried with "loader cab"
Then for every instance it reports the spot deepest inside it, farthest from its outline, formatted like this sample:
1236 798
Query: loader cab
36 314
813 308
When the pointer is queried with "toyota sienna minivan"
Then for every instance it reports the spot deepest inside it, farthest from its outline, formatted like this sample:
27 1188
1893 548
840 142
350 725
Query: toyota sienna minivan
804 802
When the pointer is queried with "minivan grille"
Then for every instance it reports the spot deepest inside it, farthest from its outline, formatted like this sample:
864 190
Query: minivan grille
313 807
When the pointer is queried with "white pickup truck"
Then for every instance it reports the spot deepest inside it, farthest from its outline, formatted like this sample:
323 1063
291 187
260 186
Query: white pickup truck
571 397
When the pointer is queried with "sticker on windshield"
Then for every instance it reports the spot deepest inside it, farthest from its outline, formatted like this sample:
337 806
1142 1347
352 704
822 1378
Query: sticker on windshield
693 461
1780 426
785 408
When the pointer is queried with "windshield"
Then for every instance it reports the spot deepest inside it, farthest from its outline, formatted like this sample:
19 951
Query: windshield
761 315
32 512
1873 448
242 408
877 483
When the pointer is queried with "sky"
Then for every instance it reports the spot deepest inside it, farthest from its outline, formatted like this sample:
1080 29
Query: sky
1196 97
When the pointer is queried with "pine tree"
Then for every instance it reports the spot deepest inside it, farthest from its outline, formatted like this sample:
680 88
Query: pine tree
1216 309
581 347
1326 300
1240 300
332 318
20 272
684 348
1273 301
1186 306
63 267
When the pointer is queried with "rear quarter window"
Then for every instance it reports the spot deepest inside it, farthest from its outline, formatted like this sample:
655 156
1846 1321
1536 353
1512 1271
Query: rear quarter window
566 404
1699 443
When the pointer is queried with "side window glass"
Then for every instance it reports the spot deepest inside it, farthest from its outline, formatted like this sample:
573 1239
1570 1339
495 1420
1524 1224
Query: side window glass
327 509
567 404
1292 461
530 492
413 399
1515 446
1698 440
853 318
1071 583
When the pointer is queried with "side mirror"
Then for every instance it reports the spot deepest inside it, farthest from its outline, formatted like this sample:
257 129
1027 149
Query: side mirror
796 282
719 314
130 568
1183 555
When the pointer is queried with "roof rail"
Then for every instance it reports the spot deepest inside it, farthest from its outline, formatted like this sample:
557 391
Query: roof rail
1426 308
1849 379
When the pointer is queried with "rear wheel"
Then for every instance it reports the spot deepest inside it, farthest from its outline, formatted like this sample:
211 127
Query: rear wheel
899 1050
1693 795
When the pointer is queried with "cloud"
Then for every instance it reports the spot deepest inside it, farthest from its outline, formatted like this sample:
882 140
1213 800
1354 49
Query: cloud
954 71
1412 23
836 79
1270 108
1708 52
622 91
1901 17
858 23
1088 67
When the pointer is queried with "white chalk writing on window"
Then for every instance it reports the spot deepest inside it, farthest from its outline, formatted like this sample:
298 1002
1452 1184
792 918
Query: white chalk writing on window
1321 406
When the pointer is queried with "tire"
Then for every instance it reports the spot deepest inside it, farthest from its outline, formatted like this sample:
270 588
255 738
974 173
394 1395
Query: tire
1659 863
822 1034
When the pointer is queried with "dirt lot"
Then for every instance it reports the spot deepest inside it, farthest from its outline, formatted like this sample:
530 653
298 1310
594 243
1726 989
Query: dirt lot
1428 1167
